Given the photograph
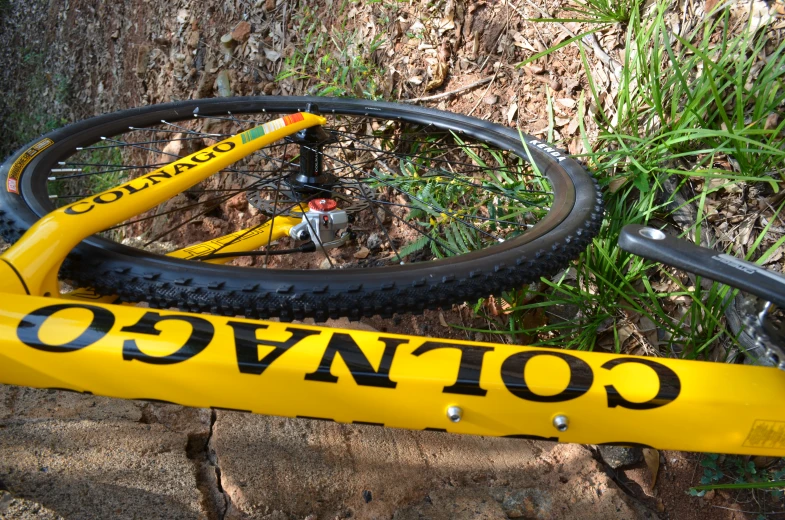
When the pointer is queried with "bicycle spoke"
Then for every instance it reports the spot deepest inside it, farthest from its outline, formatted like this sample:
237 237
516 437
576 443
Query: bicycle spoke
413 184
472 168
231 194
439 210
474 217
384 229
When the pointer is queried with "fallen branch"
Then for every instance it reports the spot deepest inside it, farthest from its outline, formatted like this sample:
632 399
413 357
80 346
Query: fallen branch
450 93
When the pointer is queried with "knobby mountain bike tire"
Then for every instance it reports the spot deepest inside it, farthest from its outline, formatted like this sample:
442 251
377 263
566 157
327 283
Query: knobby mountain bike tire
444 208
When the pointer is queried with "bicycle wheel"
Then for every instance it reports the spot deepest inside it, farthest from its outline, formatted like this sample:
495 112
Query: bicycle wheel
442 208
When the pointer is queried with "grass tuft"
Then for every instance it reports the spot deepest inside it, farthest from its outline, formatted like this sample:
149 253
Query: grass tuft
335 61
692 115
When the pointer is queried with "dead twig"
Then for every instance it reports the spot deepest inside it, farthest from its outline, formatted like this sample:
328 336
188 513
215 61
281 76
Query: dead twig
591 40
748 512
490 84
450 93
554 84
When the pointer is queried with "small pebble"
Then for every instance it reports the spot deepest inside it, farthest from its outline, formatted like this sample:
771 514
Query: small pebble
241 32
223 84
490 99
374 241
193 39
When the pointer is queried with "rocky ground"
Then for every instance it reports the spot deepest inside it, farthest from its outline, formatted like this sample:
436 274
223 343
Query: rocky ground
80 456
73 456
66 455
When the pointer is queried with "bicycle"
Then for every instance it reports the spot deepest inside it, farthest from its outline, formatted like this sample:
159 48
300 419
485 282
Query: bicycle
317 180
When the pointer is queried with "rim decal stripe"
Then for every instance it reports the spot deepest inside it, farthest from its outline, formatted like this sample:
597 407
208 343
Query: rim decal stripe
276 124
15 173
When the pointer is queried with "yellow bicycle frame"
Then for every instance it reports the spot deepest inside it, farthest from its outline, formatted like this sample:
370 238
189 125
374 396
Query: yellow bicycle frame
81 343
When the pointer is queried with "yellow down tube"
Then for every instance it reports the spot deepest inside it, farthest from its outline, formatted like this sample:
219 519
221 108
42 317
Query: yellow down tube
391 380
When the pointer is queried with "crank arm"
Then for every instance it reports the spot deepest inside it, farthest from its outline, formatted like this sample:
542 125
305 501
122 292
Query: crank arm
655 245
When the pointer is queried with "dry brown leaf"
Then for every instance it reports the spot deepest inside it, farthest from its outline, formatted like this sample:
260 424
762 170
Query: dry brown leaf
771 121
511 112
617 183
271 54
448 19
601 75
714 184
710 5
606 341
475 47
573 126
759 15
534 319
490 99
193 39
241 31
624 332
521 41
440 69
446 24
745 231
363 252
397 30
173 148
497 306
563 35
763 461
775 256
652 459
648 329
493 306
442 321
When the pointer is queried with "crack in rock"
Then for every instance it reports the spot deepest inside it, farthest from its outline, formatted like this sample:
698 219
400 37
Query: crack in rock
609 470
215 500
